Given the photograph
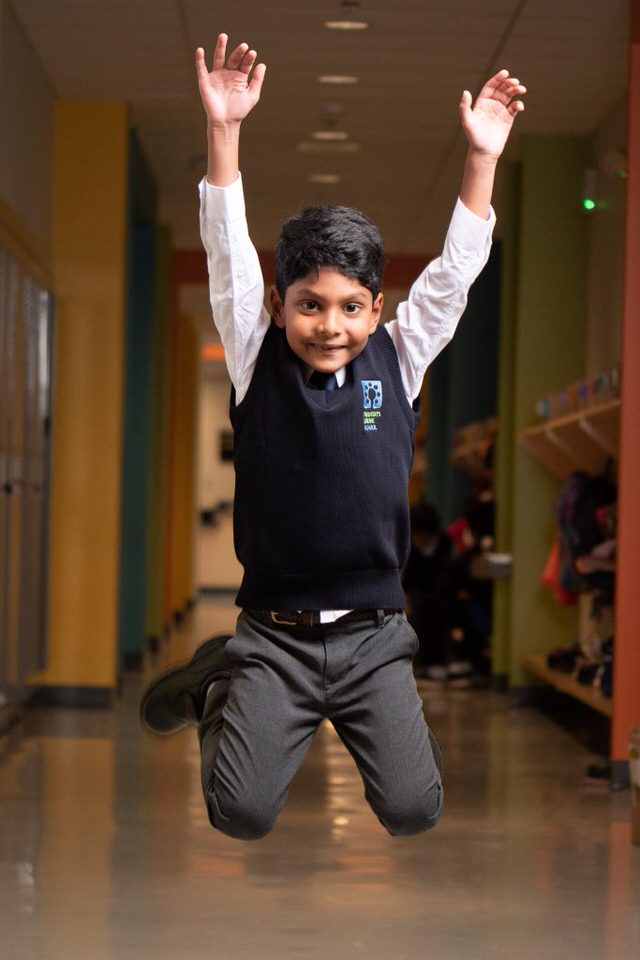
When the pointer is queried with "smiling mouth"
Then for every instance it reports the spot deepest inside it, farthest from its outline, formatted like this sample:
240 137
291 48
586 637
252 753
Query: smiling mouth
327 348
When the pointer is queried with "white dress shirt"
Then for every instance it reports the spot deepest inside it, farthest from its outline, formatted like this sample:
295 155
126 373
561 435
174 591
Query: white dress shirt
425 322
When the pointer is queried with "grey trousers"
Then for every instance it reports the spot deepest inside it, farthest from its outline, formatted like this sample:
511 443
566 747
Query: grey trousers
258 725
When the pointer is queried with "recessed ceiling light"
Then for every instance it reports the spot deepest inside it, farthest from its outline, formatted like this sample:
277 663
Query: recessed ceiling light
324 178
308 146
346 24
330 135
338 78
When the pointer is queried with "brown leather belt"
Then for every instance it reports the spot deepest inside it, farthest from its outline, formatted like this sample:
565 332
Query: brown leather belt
311 618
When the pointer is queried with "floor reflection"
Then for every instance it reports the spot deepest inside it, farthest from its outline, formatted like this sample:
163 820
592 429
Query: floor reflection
107 852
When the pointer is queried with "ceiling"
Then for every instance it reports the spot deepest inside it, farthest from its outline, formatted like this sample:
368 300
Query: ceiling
412 63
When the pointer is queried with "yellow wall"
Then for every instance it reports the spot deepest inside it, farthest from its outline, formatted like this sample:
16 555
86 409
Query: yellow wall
88 243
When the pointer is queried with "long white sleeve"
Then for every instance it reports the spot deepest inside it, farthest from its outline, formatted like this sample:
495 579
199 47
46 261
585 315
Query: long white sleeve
236 285
427 320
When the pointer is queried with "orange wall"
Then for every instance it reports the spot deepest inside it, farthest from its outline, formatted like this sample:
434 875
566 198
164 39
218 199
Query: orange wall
626 693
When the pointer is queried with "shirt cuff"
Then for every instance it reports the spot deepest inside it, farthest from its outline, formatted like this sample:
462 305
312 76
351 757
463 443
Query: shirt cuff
223 203
468 229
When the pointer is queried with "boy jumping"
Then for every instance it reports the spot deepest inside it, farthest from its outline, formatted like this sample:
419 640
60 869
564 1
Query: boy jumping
324 409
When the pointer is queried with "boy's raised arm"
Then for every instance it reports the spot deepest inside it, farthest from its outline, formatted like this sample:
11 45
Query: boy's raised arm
427 320
236 287
229 92
487 126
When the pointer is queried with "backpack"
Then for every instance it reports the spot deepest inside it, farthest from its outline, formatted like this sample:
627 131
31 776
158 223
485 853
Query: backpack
579 531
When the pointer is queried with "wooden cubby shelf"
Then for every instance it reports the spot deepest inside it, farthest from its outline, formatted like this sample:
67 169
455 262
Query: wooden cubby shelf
565 683
584 440
471 458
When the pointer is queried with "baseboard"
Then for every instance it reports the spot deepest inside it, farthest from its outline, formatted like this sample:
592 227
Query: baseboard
153 643
211 591
74 696
535 695
9 716
620 775
500 682
133 662
590 727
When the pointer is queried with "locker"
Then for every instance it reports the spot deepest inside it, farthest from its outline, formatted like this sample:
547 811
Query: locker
25 390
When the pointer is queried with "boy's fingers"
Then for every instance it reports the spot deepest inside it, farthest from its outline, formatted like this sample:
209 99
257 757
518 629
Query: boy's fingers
465 100
510 86
516 88
493 83
505 89
201 66
220 51
466 113
248 61
498 77
255 84
501 85
235 59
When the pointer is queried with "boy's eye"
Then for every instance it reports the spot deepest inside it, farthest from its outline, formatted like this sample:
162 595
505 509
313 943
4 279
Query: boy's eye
309 305
352 307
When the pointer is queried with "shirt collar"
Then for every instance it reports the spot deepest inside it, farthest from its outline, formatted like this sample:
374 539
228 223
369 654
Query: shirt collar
341 374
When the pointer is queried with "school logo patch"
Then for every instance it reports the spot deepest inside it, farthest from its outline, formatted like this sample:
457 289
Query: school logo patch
371 404
371 394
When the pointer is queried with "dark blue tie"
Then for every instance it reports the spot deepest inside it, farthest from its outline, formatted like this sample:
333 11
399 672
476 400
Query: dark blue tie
323 381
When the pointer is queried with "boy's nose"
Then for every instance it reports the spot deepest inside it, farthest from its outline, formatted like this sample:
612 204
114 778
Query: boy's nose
328 323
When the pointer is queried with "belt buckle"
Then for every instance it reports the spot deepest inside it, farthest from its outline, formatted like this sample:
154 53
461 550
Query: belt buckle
276 618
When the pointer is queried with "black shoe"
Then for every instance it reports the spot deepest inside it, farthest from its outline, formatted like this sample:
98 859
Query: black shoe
176 698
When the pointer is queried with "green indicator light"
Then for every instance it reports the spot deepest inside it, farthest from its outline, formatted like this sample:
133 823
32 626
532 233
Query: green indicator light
589 204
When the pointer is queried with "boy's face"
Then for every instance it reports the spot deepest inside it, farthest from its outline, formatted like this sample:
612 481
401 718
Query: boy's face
327 317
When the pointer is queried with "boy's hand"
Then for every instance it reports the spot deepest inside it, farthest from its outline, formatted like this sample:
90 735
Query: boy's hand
488 124
228 94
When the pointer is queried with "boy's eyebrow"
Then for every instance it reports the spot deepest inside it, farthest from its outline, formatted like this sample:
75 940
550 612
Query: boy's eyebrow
314 295
305 292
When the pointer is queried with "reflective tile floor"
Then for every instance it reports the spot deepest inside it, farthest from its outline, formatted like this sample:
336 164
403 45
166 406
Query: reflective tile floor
106 852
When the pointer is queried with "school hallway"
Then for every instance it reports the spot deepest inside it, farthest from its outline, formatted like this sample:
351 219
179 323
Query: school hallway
107 853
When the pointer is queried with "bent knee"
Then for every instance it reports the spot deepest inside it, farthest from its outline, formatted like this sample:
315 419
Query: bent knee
239 820
408 818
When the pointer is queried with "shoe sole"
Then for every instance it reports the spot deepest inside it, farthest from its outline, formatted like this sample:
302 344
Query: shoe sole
154 688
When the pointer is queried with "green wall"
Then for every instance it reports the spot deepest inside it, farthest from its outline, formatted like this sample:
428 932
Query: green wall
462 388
548 341
505 451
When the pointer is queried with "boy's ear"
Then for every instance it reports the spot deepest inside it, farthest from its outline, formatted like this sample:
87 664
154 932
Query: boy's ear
376 312
277 307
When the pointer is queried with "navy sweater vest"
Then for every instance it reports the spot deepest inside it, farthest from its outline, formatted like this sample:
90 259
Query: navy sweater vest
320 516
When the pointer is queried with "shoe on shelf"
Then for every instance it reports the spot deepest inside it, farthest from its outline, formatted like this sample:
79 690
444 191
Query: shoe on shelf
176 698
437 673
460 675
459 668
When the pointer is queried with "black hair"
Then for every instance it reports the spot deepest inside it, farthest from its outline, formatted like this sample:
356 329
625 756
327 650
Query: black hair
424 518
329 236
